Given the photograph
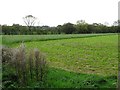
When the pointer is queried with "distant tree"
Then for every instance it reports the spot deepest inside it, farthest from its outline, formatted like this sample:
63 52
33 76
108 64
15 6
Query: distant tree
82 26
82 22
29 21
15 29
59 29
115 23
6 29
99 28
106 23
91 28
68 28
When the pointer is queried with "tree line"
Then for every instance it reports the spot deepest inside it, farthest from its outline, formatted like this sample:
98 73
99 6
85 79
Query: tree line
81 27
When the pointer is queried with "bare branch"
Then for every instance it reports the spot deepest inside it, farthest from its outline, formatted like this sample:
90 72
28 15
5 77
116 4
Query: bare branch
29 20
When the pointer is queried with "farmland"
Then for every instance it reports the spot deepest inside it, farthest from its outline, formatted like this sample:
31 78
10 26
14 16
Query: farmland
11 39
77 61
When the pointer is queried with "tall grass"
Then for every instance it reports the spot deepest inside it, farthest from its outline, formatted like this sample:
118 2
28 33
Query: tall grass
40 64
24 68
31 64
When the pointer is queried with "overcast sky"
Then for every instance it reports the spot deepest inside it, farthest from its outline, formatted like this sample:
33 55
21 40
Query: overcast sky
58 12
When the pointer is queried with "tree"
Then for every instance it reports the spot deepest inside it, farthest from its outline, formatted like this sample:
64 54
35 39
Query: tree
29 21
82 26
115 23
81 22
68 28
59 29
106 23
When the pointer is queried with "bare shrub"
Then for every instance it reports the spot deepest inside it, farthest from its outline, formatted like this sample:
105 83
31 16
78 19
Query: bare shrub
31 64
24 67
6 54
40 64
23 62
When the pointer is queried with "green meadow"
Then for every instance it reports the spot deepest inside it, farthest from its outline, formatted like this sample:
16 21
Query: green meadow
74 61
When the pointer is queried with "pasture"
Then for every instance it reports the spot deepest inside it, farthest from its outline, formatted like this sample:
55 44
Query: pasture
74 61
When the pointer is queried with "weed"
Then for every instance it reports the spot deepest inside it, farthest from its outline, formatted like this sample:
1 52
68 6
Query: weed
15 64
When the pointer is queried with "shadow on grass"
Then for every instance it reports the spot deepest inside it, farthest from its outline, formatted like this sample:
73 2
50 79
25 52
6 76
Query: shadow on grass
57 78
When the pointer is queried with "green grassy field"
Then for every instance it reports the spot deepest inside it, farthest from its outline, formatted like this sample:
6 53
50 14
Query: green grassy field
78 61
10 39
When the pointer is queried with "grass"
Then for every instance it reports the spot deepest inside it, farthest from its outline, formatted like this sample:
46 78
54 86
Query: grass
90 61
10 39
95 55
57 78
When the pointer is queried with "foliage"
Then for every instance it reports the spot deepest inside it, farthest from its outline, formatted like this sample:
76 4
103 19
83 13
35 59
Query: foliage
68 28
82 27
